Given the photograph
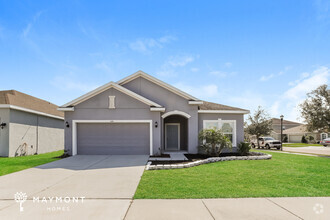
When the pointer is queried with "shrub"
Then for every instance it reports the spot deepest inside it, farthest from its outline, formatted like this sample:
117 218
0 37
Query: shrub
214 141
244 148
285 138
303 140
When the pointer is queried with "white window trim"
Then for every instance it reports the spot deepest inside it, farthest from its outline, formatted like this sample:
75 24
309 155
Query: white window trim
75 122
178 124
326 135
219 121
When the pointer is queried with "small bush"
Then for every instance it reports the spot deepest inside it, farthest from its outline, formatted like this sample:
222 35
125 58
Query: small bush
244 148
310 139
303 140
285 139
214 141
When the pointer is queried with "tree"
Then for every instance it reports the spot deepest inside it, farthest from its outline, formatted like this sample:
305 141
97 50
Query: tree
316 109
259 124
214 141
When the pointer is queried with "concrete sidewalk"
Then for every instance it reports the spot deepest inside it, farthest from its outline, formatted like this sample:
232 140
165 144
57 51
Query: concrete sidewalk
190 209
309 150
242 208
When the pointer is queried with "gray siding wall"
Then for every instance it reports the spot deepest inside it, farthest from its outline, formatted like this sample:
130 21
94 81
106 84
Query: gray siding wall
171 102
127 108
4 133
30 133
239 122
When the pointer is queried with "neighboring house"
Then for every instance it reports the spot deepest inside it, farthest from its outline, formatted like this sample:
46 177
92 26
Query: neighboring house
140 114
295 134
29 125
276 126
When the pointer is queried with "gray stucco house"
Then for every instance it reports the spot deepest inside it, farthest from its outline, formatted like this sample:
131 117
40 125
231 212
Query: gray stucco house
141 114
29 125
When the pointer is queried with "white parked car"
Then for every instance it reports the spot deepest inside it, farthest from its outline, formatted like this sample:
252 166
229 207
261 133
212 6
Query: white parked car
267 142
325 142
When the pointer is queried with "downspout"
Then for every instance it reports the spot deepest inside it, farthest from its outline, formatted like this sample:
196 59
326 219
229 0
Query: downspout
37 134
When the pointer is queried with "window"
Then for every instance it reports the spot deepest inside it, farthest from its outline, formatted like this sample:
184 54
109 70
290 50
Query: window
112 102
228 127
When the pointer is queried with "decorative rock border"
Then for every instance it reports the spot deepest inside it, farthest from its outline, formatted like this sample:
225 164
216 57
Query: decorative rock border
258 156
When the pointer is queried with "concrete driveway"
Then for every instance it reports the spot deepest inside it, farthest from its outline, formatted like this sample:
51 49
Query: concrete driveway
99 184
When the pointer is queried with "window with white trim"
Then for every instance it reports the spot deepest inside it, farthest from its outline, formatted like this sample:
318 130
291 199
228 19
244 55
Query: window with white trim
228 127
112 102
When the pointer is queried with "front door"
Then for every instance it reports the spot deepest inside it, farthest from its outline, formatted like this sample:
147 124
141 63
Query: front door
172 136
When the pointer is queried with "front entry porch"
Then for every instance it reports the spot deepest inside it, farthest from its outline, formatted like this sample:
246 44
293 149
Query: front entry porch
175 134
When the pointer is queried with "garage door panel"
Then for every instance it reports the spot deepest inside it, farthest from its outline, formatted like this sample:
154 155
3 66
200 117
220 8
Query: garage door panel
113 139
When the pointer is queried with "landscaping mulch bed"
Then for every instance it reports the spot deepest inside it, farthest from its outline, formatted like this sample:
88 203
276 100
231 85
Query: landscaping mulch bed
196 157
162 155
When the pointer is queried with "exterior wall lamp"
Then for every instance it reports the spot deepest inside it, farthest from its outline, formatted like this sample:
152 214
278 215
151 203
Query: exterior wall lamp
156 124
67 124
2 125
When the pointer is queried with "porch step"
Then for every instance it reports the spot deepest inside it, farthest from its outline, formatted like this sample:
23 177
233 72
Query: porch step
173 156
178 156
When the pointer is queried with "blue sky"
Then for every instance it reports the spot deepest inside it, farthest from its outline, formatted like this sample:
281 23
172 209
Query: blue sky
239 53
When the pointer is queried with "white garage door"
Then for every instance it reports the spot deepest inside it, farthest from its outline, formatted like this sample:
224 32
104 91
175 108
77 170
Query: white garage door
295 138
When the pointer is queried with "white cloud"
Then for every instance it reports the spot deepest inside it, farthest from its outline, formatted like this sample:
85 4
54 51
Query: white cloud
318 77
173 62
270 76
167 39
290 99
219 73
194 69
202 91
89 32
180 60
28 27
70 84
145 45
302 76
103 66
228 64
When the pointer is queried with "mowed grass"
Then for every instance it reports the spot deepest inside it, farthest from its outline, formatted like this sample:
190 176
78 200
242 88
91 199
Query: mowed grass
284 175
14 164
301 145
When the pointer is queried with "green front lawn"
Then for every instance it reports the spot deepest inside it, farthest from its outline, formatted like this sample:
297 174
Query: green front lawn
14 164
282 176
300 145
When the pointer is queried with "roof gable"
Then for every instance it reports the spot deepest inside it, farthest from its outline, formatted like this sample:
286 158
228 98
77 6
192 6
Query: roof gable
106 87
157 82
